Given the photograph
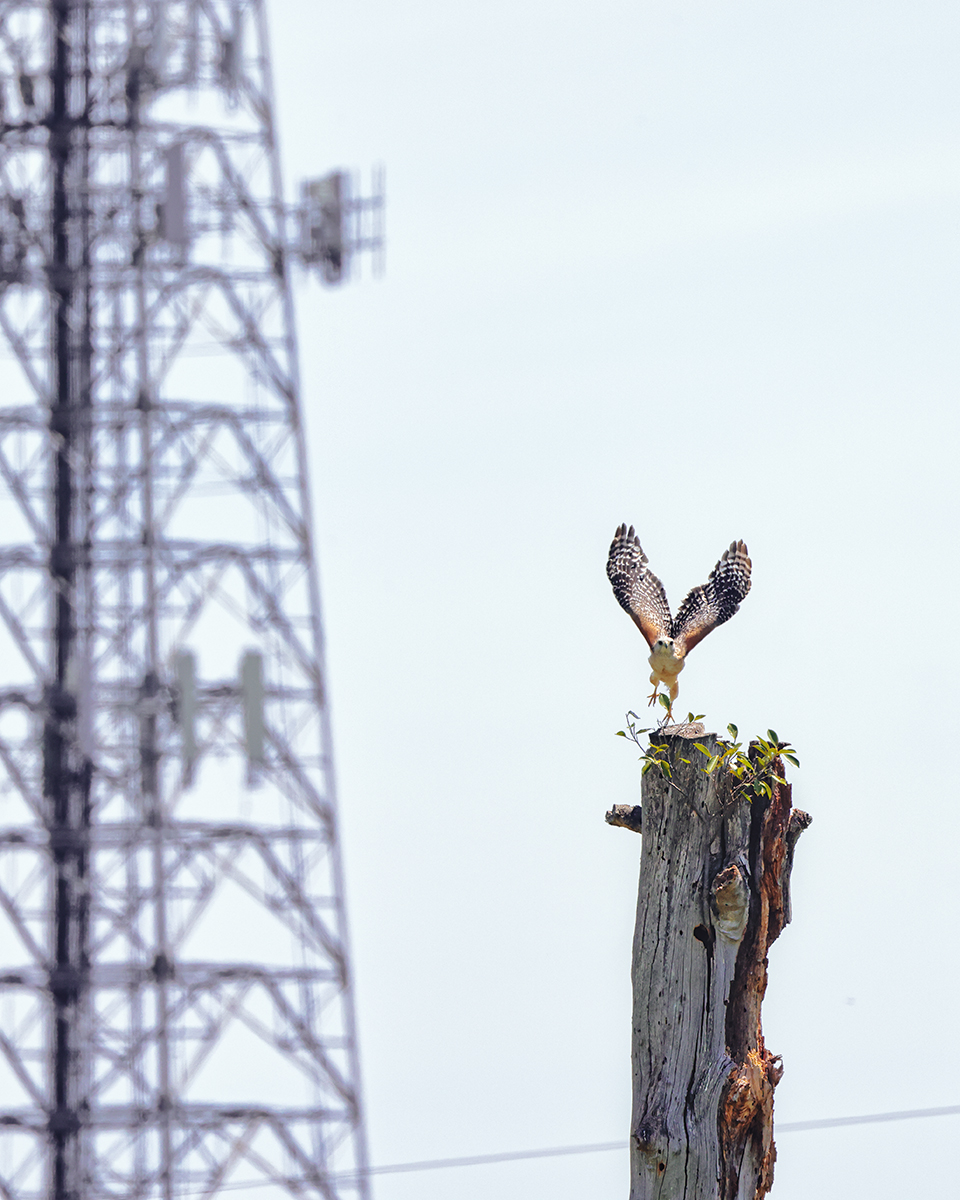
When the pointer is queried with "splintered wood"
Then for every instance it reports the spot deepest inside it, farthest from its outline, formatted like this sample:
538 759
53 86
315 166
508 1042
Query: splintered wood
714 896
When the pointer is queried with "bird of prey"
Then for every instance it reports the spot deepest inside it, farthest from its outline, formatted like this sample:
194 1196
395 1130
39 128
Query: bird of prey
641 593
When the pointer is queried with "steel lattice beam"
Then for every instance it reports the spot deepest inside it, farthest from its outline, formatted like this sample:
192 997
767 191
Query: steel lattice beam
174 969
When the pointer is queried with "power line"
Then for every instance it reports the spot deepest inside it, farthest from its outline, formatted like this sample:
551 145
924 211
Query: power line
910 1114
594 1147
476 1160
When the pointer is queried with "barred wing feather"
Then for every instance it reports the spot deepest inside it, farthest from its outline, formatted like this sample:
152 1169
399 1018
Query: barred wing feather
636 587
714 602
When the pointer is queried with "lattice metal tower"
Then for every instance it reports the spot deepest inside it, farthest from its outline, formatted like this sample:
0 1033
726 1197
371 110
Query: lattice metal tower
176 1015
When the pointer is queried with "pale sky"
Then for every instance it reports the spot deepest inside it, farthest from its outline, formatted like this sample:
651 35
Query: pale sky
693 266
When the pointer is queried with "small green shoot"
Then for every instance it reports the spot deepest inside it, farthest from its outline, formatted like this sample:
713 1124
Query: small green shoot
753 768
651 755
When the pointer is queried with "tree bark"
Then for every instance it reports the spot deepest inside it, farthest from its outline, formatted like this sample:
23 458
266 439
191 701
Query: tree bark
714 896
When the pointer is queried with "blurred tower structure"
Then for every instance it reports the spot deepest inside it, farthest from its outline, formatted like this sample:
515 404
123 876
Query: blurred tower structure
176 1016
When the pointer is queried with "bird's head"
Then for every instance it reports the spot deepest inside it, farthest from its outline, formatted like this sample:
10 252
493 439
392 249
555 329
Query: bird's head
664 645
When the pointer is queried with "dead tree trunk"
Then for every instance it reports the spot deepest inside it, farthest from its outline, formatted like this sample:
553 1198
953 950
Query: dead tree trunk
714 895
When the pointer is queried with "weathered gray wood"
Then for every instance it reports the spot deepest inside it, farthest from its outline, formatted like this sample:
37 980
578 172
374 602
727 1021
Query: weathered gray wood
627 816
714 894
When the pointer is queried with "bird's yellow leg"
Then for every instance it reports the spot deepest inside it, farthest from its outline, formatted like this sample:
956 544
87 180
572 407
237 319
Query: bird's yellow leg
653 698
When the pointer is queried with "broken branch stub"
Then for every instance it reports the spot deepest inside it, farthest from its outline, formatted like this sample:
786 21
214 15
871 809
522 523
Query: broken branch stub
714 896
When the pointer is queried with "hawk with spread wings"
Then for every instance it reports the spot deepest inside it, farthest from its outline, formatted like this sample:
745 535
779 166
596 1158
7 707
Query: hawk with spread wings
641 593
